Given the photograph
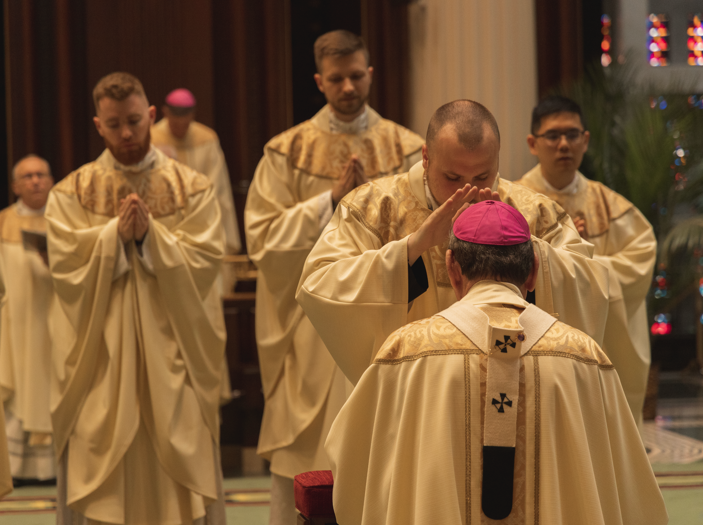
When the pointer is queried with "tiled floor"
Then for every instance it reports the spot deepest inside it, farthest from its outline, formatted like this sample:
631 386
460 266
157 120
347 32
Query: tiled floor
674 439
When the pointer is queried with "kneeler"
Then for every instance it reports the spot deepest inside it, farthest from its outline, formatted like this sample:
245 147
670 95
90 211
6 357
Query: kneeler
313 498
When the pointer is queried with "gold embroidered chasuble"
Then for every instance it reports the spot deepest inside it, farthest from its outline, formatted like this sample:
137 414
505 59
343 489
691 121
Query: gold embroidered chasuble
25 346
354 286
413 430
624 242
288 205
5 475
200 149
138 343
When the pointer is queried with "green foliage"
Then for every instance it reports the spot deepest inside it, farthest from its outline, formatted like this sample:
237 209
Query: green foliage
632 146
636 133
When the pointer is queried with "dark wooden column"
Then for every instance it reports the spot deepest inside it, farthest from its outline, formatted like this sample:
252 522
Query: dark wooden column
384 27
559 42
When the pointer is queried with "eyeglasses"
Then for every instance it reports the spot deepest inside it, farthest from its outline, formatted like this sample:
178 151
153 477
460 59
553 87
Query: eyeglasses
27 177
553 137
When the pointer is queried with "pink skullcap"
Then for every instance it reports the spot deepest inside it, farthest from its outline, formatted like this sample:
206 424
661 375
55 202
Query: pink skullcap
180 98
492 222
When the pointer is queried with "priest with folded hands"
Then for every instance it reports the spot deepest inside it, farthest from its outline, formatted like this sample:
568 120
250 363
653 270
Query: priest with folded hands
492 409
135 245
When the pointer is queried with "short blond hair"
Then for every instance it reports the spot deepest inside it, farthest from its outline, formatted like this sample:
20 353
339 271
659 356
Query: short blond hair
338 43
117 86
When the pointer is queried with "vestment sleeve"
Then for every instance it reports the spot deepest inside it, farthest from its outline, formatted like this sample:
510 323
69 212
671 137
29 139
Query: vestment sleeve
223 190
355 291
631 251
281 230
571 283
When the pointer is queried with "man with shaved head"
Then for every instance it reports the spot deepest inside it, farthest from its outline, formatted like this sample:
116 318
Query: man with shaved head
135 245
379 264
25 345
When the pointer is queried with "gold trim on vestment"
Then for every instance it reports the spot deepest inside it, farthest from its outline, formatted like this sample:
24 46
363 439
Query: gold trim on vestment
535 361
165 189
467 417
592 201
381 149
12 224
556 353
428 353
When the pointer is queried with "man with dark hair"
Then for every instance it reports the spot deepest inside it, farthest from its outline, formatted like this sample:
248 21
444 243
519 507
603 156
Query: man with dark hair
25 346
379 264
135 245
623 239
491 409
304 174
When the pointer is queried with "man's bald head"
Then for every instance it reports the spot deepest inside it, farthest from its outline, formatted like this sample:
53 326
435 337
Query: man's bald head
470 120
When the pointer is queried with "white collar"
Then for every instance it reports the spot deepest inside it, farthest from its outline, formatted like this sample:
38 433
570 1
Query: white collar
358 125
25 211
495 292
570 189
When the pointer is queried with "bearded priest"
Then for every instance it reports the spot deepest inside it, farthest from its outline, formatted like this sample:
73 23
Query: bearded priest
135 245
379 263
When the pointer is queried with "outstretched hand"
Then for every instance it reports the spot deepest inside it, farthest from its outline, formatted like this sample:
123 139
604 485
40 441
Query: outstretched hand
434 230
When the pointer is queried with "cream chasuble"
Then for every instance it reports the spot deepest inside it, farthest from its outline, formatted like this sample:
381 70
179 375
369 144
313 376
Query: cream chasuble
288 205
354 286
5 475
624 243
138 345
200 149
25 346
409 446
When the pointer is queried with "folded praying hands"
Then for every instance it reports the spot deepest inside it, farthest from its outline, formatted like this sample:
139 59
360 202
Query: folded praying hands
133 222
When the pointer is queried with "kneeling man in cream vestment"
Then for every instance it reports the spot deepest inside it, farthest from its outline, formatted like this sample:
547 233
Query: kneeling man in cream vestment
491 409
135 246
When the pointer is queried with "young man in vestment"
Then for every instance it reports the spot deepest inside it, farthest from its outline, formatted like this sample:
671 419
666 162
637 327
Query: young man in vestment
379 264
25 345
303 176
492 409
623 239
135 245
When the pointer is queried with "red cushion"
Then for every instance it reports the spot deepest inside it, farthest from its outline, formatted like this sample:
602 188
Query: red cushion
313 493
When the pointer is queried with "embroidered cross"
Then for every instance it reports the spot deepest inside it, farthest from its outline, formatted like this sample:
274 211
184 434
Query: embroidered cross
503 401
503 347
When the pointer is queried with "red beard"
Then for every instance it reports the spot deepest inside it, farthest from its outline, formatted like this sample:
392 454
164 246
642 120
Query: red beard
130 156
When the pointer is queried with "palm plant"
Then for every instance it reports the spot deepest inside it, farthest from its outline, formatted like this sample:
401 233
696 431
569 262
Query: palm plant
647 144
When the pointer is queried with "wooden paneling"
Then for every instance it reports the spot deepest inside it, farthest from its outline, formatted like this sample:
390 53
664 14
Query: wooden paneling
559 42
384 27
165 44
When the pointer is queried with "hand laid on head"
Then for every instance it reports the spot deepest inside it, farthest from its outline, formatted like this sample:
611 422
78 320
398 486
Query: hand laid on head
435 230
486 194
353 175
133 222
580 224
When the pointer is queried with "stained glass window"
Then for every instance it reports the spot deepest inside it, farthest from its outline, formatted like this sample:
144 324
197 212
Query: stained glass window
695 40
658 40
606 41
